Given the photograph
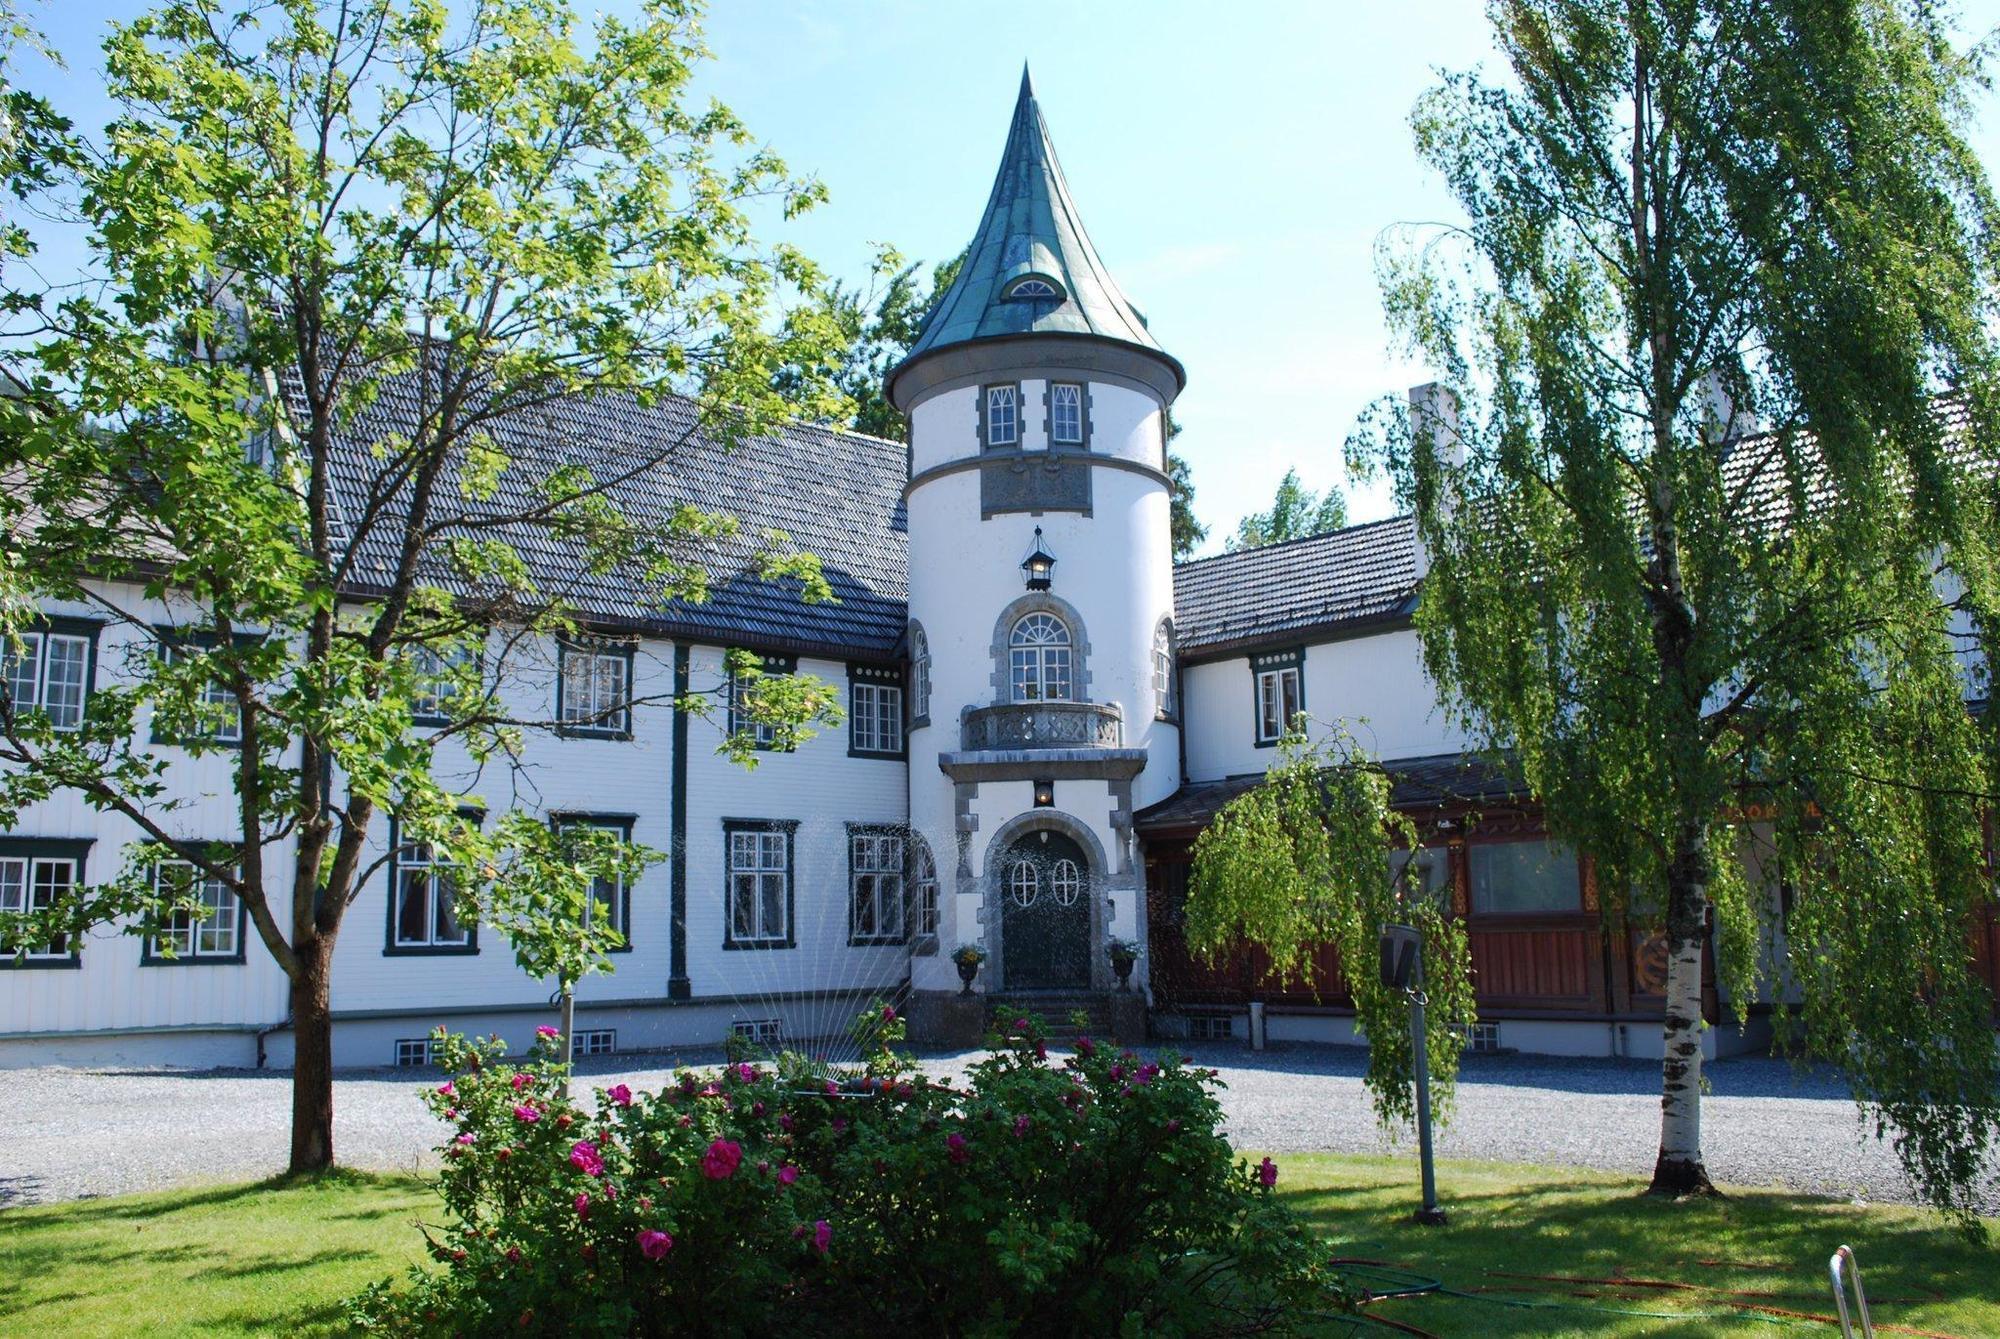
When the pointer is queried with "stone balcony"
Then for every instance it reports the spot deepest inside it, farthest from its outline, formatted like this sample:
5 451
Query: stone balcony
1042 725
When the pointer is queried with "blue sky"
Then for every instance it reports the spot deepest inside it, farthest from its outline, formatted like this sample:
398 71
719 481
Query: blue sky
1235 164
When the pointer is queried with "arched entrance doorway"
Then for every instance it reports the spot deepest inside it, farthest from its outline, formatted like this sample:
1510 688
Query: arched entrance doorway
1045 914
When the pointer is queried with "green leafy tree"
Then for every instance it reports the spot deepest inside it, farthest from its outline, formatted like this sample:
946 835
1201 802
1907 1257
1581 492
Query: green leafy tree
1297 512
877 323
1313 856
1187 531
1685 217
311 217
545 899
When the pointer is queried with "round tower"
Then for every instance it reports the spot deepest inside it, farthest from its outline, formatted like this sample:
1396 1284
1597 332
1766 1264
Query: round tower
1043 698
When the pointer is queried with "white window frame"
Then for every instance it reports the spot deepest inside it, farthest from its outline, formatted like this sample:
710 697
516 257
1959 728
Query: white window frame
1024 883
924 889
596 690
1163 673
592 1041
920 674
420 861
614 893
33 652
218 935
758 879
1041 668
876 717
413 1052
435 688
1280 697
24 889
1066 426
1002 416
876 886
214 693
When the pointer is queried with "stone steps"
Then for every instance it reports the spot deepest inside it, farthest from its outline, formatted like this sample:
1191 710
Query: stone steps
1056 1011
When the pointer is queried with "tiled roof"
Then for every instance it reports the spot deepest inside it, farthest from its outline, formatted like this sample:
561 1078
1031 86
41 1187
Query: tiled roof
837 495
1438 781
1031 228
1263 594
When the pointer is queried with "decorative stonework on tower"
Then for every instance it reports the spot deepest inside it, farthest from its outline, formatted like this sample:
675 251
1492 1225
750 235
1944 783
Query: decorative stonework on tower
1041 585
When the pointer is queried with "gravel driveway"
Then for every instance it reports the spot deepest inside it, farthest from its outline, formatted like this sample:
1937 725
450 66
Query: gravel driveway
74 1133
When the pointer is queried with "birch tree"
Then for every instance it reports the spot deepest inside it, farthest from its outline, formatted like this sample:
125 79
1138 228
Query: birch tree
1713 544
323 222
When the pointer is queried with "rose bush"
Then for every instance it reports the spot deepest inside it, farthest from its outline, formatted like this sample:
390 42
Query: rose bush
1091 1196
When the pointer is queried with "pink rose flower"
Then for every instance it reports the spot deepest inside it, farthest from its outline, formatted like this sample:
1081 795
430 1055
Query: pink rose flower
822 1235
1174 1126
467 1137
1021 1124
1267 1172
787 1174
746 1073
654 1244
719 1163
785 1121
1041 1051
582 1203
548 1033
585 1158
446 1090
527 1115
1086 1047
521 1081
620 1094
513 1255
956 1143
888 1013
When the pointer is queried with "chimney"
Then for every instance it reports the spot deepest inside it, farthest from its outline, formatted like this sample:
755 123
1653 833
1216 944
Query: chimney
1434 428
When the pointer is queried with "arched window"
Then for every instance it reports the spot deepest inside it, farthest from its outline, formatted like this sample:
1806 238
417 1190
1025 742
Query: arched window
1029 288
1023 884
1066 882
920 675
1039 659
923 877
1163 671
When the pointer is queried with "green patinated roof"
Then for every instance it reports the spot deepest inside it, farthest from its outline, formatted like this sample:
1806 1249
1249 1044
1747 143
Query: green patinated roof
1031 228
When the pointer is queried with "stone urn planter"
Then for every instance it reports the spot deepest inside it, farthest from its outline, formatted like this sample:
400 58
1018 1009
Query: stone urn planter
1123 954
968 957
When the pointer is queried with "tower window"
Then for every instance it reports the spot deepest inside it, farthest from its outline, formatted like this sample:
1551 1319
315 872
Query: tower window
1066 413
1039 656
1003 416
1163 671
1028 289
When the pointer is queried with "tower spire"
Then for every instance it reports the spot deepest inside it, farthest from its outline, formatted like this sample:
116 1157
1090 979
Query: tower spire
1031 268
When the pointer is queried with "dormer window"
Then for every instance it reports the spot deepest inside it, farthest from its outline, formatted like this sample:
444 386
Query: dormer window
1030 288
1003 416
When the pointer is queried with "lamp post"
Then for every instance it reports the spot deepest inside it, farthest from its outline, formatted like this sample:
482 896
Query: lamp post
1403 969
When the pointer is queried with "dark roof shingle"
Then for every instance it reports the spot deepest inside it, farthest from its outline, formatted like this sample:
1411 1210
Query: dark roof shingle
1362 573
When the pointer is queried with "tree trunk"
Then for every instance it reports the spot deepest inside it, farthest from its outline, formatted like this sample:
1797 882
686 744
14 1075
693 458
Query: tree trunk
568 1036
312 1060
1679 1170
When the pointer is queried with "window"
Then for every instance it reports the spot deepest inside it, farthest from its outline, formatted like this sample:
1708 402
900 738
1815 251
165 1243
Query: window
1030 288
1003 416
1066 413
594 690
742 693
1211 1027
920 675
1523 878
760 883
1039 659
423 901
592 1041
761 1031
1163 671
413 1052
875 710
437 682
1065 882
1280 687
217 714
1430 880
925 880
875 873
35 876
215 933
1024 883
48 669
610 899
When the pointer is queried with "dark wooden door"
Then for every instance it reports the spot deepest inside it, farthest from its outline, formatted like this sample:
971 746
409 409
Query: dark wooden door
1045 914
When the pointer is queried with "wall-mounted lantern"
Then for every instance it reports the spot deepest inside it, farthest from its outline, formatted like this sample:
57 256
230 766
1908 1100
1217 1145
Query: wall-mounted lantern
1039 565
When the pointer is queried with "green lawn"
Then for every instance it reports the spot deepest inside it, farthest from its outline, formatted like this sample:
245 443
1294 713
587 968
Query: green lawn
277 1257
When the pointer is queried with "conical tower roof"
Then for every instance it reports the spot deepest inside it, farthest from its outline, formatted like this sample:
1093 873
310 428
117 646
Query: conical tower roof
1031 269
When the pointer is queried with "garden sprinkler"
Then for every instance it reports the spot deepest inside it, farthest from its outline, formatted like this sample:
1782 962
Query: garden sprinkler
1403 969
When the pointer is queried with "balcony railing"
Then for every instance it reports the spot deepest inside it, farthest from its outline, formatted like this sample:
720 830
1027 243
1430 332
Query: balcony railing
1044 725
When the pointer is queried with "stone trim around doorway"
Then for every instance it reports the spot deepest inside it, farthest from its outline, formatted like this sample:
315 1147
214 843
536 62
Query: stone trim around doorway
1101 885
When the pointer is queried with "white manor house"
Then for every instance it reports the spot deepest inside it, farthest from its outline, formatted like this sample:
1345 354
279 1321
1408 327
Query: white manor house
1043 711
